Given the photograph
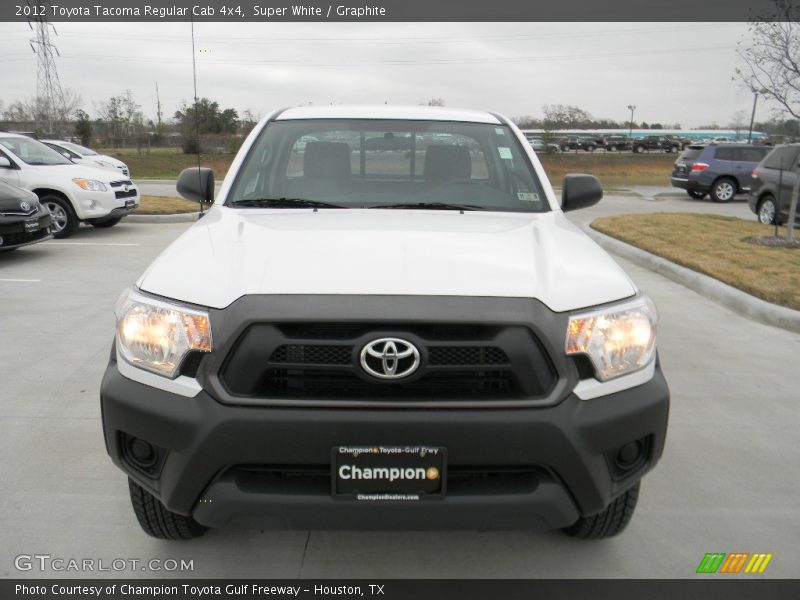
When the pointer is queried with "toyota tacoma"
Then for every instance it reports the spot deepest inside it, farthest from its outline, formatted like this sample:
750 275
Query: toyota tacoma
384 321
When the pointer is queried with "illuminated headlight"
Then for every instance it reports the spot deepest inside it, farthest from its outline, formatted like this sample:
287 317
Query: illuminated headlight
156 335
90 185
618 340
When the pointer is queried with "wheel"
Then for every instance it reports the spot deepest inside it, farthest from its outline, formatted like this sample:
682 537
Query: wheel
672 149
159 522
723 190
105 222
611 521
696 195
564 148
767 210
639 149
591 148
613 148
64 221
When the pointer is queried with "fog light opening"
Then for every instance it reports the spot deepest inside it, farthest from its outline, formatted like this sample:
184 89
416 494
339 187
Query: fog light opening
142 454
629 456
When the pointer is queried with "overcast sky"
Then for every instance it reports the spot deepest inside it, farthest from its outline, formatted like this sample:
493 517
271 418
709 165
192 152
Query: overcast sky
672 72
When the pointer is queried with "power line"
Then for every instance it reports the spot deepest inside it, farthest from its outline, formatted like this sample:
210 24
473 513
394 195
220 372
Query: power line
49 95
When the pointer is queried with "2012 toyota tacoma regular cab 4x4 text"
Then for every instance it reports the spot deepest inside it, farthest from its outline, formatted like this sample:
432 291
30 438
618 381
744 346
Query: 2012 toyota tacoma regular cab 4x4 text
394 326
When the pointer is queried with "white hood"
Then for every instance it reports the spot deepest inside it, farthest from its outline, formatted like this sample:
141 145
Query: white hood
237 252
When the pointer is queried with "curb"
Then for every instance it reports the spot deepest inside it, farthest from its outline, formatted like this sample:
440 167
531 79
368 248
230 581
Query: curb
735 299
177 218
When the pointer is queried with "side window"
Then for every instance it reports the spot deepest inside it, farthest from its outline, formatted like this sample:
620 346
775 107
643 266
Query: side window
753 154
727 154
782 158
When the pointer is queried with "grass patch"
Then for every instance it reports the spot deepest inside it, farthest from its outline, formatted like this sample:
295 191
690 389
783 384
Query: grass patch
614 169
716 246
167 163
157 205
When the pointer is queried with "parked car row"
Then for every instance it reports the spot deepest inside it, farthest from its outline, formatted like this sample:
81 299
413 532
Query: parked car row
73 193
767 174
23 219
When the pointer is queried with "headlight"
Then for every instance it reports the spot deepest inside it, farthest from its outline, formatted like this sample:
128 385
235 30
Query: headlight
90 185
156 335
618 340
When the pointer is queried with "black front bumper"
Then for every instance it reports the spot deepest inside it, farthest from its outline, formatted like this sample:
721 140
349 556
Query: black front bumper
208 452
15 233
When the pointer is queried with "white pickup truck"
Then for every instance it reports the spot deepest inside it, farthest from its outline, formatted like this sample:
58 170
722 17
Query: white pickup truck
390 325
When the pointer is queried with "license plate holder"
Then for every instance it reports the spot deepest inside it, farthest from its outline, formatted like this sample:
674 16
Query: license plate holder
31 225
130 203
388 473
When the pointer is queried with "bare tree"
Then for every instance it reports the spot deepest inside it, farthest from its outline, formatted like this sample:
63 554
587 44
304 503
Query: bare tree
771 57
738 121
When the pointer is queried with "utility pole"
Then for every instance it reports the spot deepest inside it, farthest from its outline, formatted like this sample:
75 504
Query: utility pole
753 114
49 94
158 110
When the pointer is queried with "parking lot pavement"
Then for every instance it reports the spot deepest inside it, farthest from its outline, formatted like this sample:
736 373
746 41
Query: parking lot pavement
727 481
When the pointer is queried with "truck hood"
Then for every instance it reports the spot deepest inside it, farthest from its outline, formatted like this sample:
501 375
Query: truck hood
235 252
44 174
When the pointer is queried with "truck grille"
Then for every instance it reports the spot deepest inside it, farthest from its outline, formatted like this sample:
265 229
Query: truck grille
322 361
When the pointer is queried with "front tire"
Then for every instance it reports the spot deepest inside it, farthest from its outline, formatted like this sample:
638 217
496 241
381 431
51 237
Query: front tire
609 522
64 221
723 190
639 149
767 211
157 520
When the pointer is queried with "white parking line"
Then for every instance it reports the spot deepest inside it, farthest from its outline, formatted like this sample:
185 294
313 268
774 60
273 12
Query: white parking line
20 280
88 244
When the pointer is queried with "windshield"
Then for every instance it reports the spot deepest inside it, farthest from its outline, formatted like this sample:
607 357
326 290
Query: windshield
33 152
348 163
78 148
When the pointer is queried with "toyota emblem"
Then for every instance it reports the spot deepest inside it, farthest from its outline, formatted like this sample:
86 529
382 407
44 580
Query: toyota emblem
24 206
390 358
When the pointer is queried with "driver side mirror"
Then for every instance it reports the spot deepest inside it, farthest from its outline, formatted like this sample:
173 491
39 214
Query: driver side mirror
196 184
580 191
4 162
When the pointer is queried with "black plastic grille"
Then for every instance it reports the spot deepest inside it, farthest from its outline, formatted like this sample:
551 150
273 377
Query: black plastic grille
129 194
115 184
301 354
13 239
466 355
320 361
316 383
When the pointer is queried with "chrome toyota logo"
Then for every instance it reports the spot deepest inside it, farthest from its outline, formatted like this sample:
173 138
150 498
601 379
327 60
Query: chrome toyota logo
24 206
389 358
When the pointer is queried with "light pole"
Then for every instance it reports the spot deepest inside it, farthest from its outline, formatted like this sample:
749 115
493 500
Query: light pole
631 107
753 114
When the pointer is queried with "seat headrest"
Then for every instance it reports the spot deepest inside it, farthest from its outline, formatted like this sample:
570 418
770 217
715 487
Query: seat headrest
446 162
327 160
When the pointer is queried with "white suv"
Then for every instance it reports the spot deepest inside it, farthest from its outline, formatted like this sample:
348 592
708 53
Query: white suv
72 193
86 156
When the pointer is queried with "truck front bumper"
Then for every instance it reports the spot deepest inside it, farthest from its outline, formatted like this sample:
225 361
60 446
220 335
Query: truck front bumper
270 466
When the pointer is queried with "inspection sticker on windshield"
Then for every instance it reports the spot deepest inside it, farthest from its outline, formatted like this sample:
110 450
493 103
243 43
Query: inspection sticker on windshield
499 131
528 196
505 153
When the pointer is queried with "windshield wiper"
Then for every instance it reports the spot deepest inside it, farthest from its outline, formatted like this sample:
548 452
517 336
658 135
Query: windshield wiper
430 206
283 203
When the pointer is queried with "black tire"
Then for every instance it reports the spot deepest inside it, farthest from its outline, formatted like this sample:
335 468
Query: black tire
696 195
723 190
64 220
106 222
639 149
610 522
591 148
159 522
767 210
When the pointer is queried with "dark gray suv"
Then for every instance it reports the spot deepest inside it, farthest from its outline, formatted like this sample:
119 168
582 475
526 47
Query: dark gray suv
773 180
719 170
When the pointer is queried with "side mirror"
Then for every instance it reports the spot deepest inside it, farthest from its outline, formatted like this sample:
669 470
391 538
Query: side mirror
580 191
196 184
4 162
